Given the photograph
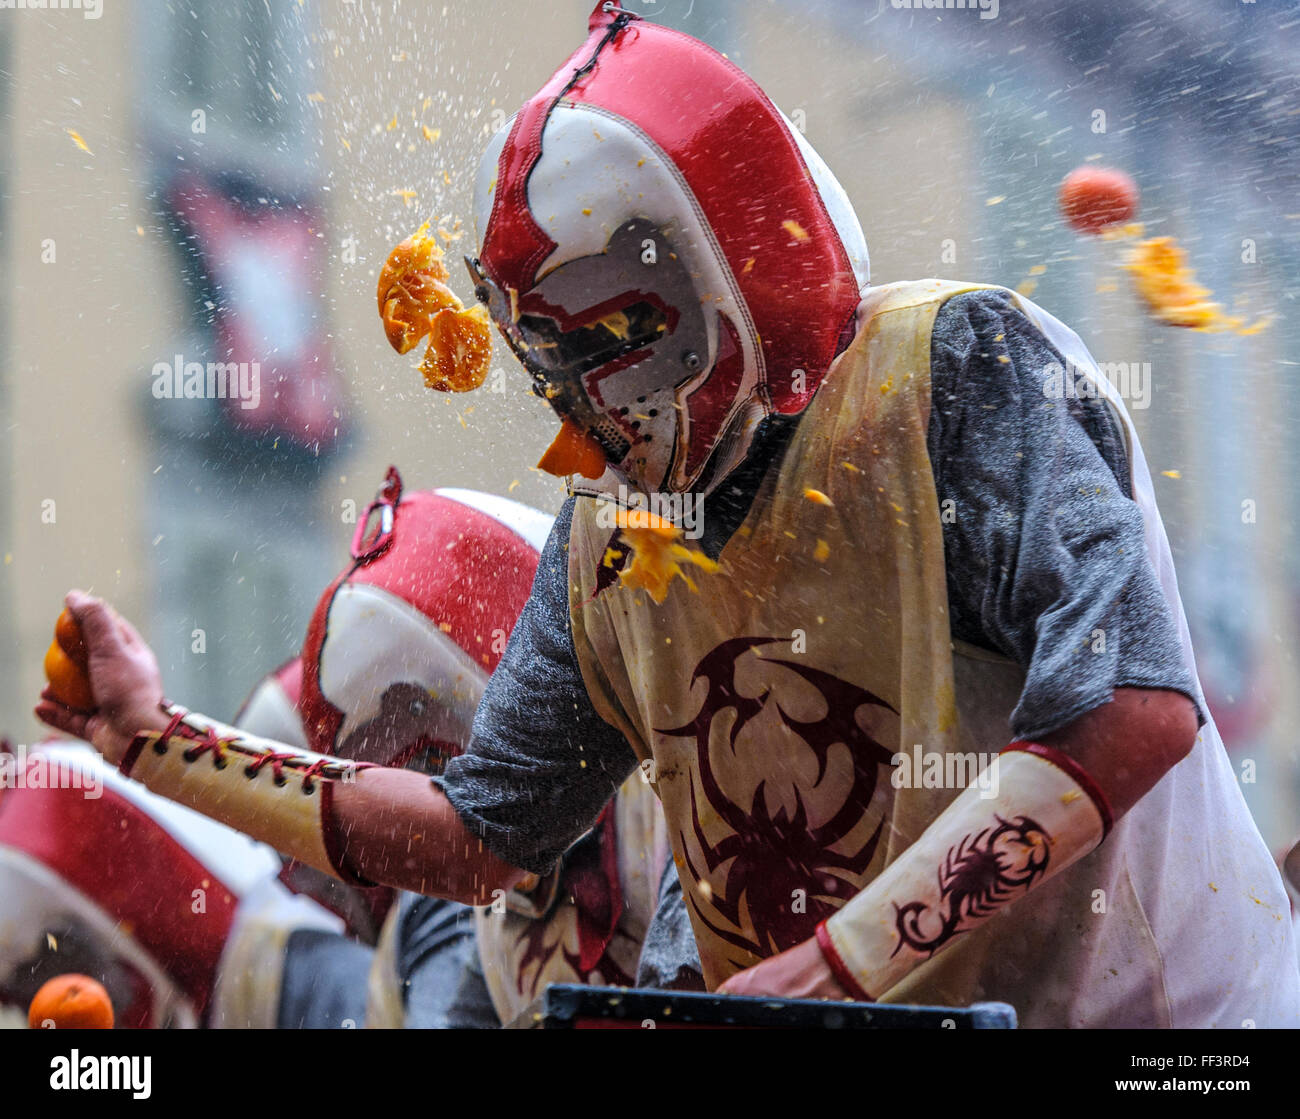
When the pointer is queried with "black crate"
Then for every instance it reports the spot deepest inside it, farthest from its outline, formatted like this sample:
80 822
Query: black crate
565 1006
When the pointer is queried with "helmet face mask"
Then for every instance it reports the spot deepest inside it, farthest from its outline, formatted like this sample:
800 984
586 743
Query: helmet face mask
620 367
667 256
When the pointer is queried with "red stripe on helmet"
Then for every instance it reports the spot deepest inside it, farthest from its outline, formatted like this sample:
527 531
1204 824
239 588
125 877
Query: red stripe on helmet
106 848
722 133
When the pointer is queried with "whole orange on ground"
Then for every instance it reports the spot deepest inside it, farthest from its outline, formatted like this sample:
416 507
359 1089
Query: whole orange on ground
1096 198
71 1002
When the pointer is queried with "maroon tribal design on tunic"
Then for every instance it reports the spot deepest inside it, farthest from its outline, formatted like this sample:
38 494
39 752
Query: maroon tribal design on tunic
776 854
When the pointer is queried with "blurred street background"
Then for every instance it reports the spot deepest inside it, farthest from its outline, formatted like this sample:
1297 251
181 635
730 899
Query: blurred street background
218 179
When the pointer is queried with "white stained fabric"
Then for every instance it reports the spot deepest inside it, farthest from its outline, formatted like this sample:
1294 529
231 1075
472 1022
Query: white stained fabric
1201 889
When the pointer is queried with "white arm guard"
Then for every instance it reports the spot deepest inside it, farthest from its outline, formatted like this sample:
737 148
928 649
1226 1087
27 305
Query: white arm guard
978 856
272 792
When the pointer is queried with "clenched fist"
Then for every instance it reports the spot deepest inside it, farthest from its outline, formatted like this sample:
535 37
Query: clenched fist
124 681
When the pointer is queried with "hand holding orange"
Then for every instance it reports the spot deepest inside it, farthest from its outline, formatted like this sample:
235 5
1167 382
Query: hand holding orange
66 664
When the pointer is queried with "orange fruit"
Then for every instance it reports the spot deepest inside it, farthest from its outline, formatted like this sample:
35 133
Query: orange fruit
408 312
67 632
68 681
412 290
573 452
657 554
460 350
71 1002
418 256
1095 198
415 302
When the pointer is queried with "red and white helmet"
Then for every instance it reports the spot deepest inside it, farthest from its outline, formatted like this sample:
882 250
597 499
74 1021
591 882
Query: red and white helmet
101 877
665 252
271 709
402 643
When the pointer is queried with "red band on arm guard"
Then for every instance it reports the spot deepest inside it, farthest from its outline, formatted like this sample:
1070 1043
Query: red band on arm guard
1081 776
838 967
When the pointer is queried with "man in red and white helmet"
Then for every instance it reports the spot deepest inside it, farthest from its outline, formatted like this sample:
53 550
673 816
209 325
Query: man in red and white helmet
403 640
393 665
661 306
687 285
395 659
922 550
100 877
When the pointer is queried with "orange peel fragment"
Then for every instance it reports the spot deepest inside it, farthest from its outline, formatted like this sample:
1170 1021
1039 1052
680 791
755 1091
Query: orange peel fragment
415 303
817 497
573 451
460 349
1168 287
657 554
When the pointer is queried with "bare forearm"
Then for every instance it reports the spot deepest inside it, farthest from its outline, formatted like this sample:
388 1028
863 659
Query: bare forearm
396 827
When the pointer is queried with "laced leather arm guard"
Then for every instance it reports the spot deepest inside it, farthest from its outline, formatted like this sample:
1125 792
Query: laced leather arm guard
274 793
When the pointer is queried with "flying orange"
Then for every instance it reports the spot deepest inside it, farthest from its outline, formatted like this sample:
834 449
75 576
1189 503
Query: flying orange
1096 198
